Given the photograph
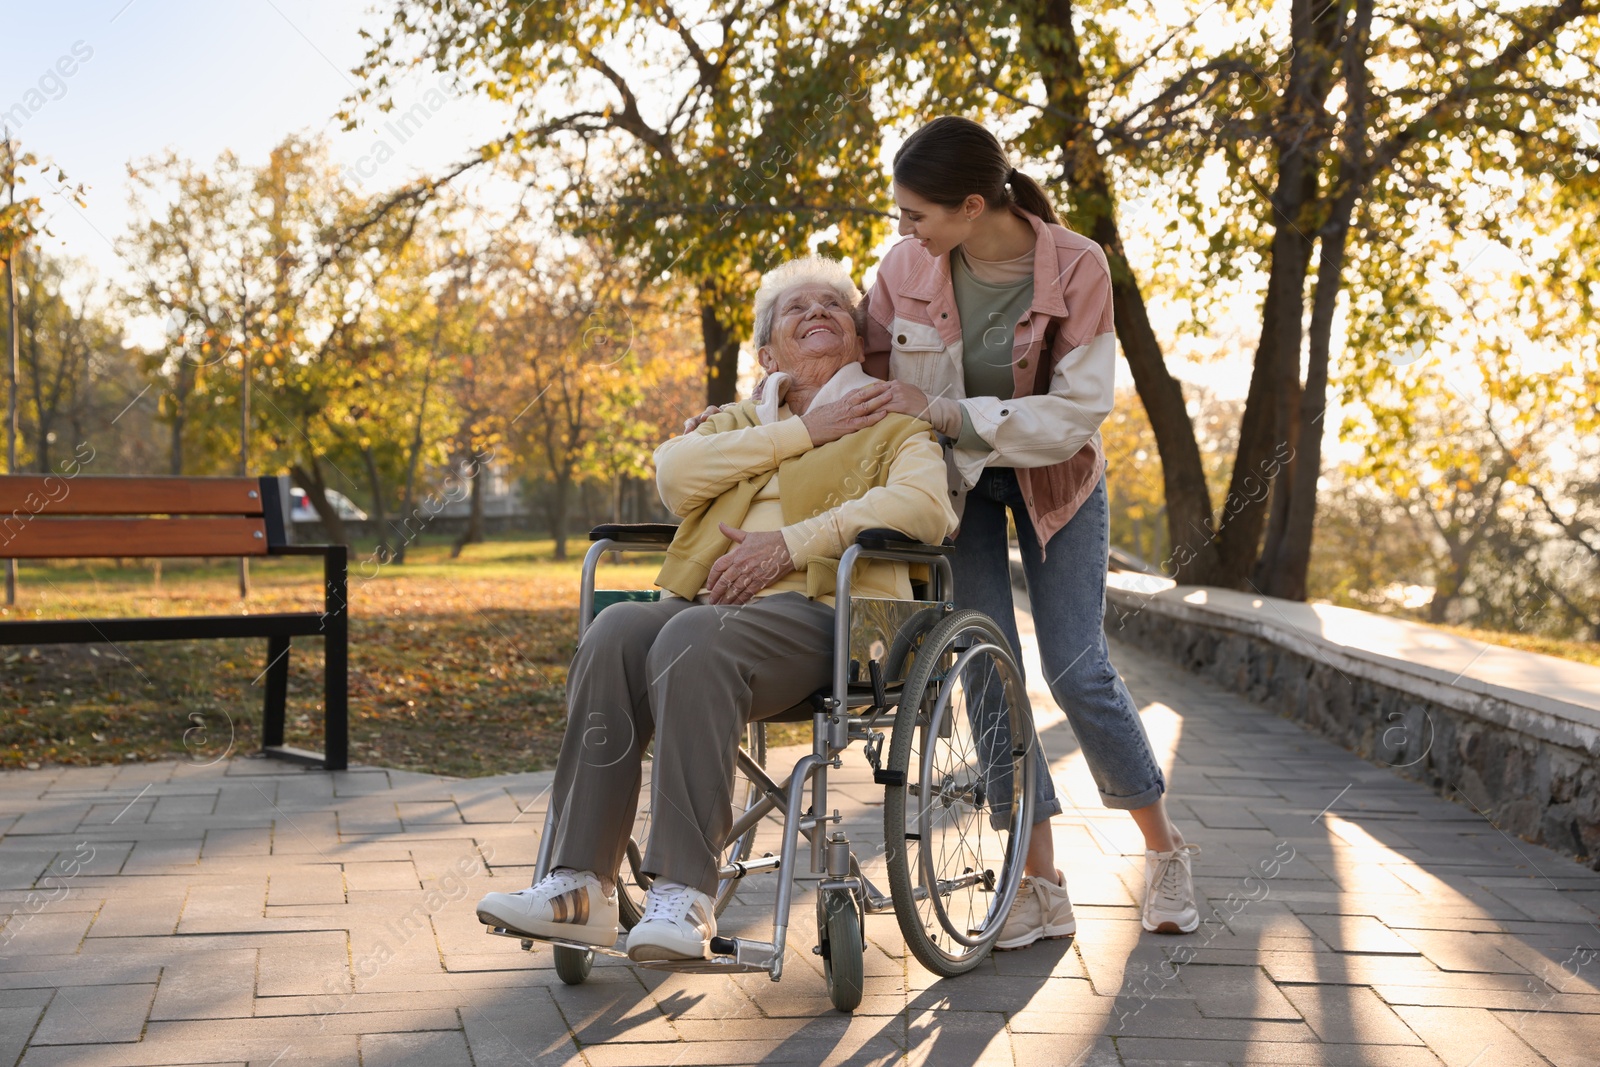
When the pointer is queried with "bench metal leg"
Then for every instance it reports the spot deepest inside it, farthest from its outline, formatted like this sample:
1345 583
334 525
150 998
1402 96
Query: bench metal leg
277 676
276 709
336 682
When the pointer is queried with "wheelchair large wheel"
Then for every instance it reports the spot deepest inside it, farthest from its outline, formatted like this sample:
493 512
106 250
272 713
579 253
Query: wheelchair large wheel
632 883
963 737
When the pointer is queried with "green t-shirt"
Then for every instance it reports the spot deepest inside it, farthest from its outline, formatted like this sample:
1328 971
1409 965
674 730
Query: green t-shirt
989 316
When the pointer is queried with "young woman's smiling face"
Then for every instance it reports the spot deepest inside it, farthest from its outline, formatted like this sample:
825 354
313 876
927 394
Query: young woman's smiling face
939 228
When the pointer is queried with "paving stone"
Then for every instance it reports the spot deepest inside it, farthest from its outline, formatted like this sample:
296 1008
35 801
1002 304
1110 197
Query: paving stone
1349 1015
310 883
1450 951
951 1036
183 807
224 907
1563 1039
17 1022
42 932
128 916
218 984
362 877
224 845
95 1015
1200 1049
300 969
1236 993
1532 996
426 1049
1469 1037
153 857
1358 934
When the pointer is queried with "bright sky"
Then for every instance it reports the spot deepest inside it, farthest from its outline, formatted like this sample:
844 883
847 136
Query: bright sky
200 78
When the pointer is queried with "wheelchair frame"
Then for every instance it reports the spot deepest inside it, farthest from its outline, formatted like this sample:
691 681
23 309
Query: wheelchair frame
832 864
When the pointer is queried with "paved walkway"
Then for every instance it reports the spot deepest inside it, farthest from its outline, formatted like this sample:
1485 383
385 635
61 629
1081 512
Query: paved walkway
255 913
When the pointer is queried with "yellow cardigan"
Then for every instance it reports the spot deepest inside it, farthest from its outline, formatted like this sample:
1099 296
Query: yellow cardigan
891 474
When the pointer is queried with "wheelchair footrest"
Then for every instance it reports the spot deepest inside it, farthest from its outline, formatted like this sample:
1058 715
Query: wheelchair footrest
530 940
730 955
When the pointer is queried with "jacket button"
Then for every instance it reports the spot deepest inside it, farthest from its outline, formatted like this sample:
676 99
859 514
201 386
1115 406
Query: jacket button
901 339
944 314
1003 411
1023 364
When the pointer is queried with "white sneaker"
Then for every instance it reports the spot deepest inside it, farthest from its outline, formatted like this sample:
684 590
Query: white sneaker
679 923
1169 892
1042 911
566 904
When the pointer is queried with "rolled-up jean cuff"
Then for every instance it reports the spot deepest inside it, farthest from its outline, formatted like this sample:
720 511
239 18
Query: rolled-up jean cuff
1137 801
999 820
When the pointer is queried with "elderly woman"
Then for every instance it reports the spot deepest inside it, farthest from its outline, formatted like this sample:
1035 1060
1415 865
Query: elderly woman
770 496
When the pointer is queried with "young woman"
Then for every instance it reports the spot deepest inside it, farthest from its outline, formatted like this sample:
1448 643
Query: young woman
993 321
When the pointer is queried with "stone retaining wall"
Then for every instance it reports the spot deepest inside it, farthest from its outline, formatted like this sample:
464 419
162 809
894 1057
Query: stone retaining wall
1532 769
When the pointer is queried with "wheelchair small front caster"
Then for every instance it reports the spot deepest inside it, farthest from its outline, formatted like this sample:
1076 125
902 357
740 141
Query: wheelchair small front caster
842 945
573 964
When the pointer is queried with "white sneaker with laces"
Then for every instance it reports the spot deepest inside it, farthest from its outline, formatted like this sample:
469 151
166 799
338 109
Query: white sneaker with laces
679 923
1042 911
566 904
1169 906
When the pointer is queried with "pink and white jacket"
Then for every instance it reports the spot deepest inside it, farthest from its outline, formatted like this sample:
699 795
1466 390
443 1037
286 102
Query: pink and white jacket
1050 429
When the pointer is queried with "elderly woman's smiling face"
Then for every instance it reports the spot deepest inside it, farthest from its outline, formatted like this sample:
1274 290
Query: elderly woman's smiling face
813 334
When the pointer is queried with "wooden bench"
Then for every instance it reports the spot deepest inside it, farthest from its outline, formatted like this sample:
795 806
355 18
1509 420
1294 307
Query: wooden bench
56 517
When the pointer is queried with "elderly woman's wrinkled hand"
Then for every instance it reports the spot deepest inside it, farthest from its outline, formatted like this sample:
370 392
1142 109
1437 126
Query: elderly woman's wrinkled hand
692 423
855 411
756 561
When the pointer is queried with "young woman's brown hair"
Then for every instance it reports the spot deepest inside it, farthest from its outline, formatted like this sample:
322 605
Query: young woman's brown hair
951 158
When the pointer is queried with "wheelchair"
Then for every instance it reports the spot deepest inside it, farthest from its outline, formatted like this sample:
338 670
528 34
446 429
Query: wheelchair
909 680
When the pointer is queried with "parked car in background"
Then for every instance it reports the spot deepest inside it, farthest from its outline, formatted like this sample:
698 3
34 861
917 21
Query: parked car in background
300 509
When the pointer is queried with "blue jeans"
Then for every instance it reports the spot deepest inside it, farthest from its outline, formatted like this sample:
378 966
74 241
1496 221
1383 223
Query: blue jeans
1068 594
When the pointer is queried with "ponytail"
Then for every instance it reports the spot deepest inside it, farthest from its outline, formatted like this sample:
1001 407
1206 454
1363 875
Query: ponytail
951 158
1029 195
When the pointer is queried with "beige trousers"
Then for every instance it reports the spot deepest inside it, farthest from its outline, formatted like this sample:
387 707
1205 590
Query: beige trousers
690 676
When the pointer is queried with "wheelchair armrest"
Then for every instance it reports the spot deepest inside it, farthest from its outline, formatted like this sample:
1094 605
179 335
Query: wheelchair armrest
886 540
635 533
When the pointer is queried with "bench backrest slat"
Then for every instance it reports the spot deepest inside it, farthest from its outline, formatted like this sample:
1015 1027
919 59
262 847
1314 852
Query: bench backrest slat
39 495
51 538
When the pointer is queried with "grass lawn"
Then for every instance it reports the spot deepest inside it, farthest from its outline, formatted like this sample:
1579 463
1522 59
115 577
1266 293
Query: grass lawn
456 666
1563 648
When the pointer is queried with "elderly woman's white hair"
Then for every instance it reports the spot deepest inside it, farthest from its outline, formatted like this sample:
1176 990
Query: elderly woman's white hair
808 270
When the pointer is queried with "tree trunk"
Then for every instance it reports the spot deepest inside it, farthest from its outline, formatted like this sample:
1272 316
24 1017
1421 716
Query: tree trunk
721 345
380 513
473 534
1265 435
1448 589
316 488
1182 473
1289 552
181 390
558 514
408 504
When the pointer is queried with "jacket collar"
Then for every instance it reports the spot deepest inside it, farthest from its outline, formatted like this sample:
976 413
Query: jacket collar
846 379
930 275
